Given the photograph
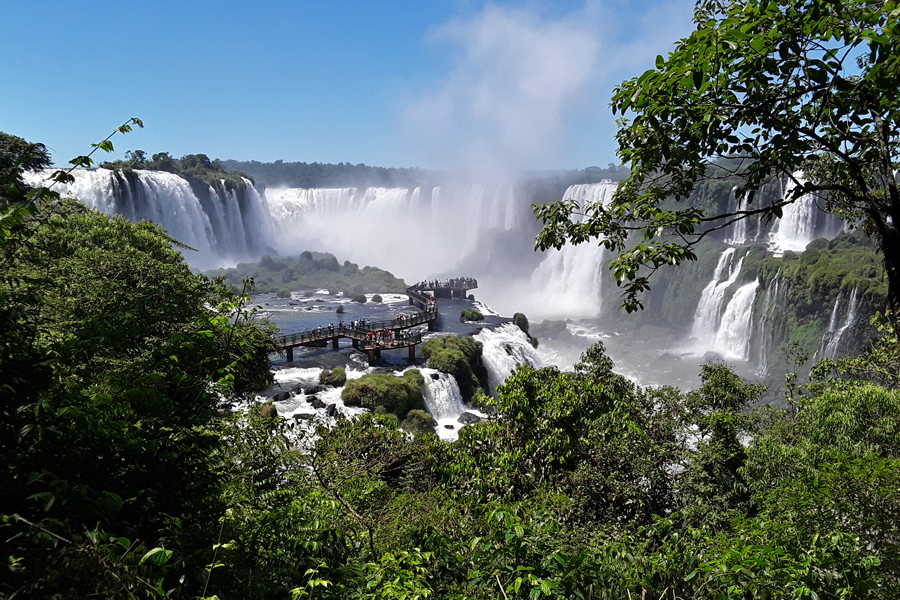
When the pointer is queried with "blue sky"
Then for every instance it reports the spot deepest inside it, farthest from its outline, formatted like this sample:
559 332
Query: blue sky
434 84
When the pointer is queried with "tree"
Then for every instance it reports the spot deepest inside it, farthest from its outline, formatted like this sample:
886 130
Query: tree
765 90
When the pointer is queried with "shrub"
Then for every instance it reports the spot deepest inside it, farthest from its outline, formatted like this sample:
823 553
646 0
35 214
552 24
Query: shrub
522 321
332 291
340 309
397 395
376 298
268 411
337 378
534 342
283 293
308 294
361 298
418 421
470 314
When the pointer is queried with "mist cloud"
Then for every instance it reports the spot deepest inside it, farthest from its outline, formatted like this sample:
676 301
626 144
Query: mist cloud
521 84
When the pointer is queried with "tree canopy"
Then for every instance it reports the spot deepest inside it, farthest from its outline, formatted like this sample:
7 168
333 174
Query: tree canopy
801 90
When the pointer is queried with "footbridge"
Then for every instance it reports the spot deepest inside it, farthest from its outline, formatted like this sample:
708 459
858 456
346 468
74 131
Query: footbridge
370 336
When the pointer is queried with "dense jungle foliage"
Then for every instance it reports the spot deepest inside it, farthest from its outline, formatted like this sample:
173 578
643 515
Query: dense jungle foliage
308 272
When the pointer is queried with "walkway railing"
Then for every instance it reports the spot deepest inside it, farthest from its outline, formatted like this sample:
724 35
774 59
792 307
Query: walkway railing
357 332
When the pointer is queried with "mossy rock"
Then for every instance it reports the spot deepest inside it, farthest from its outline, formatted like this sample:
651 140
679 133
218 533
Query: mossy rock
521 320
268 411
418 421
361 298
336 378
470 314
397 395
376 298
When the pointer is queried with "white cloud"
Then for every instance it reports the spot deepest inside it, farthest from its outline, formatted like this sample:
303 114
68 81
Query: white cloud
522 84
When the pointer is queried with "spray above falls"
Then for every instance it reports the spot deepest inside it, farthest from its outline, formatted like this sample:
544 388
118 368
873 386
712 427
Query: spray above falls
409 231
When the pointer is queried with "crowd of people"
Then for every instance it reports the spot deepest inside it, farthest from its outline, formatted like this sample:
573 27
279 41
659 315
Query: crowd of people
380 334
456 282
386 338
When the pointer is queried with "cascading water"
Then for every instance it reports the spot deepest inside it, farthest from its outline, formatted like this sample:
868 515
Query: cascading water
225 227
796 226
408 231
739 228
505 349
442 396
568 281
707 317
776 295
831 341
801 222
733 336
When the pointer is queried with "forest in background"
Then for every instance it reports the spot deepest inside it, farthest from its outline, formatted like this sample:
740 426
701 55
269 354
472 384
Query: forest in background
323 175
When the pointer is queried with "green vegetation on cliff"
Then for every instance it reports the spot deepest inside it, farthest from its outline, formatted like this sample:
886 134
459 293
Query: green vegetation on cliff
310 271
193 167
460 357
395 395
118 368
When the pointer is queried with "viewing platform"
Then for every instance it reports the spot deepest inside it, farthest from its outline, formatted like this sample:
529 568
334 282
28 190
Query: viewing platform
372 337
369 336
457 287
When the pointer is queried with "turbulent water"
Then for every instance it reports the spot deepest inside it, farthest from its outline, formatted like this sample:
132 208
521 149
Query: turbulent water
505 349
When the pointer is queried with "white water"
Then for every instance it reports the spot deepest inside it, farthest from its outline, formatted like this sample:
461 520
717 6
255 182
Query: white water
568 282
832 339
410 232
224 233
444 402
707 317
442 396
505 349
739 228
733 336
795 229
775 297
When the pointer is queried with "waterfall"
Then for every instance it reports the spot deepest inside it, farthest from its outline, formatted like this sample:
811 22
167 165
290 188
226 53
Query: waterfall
776 294
223 225
505 349
709 310
738 228
569 279
801 222
442 397
831 341
407 231
733 336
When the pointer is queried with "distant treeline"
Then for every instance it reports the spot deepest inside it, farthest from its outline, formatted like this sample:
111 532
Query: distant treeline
189 166
318 175
322 175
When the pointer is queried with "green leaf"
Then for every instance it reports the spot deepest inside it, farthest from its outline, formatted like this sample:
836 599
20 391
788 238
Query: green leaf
159 556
